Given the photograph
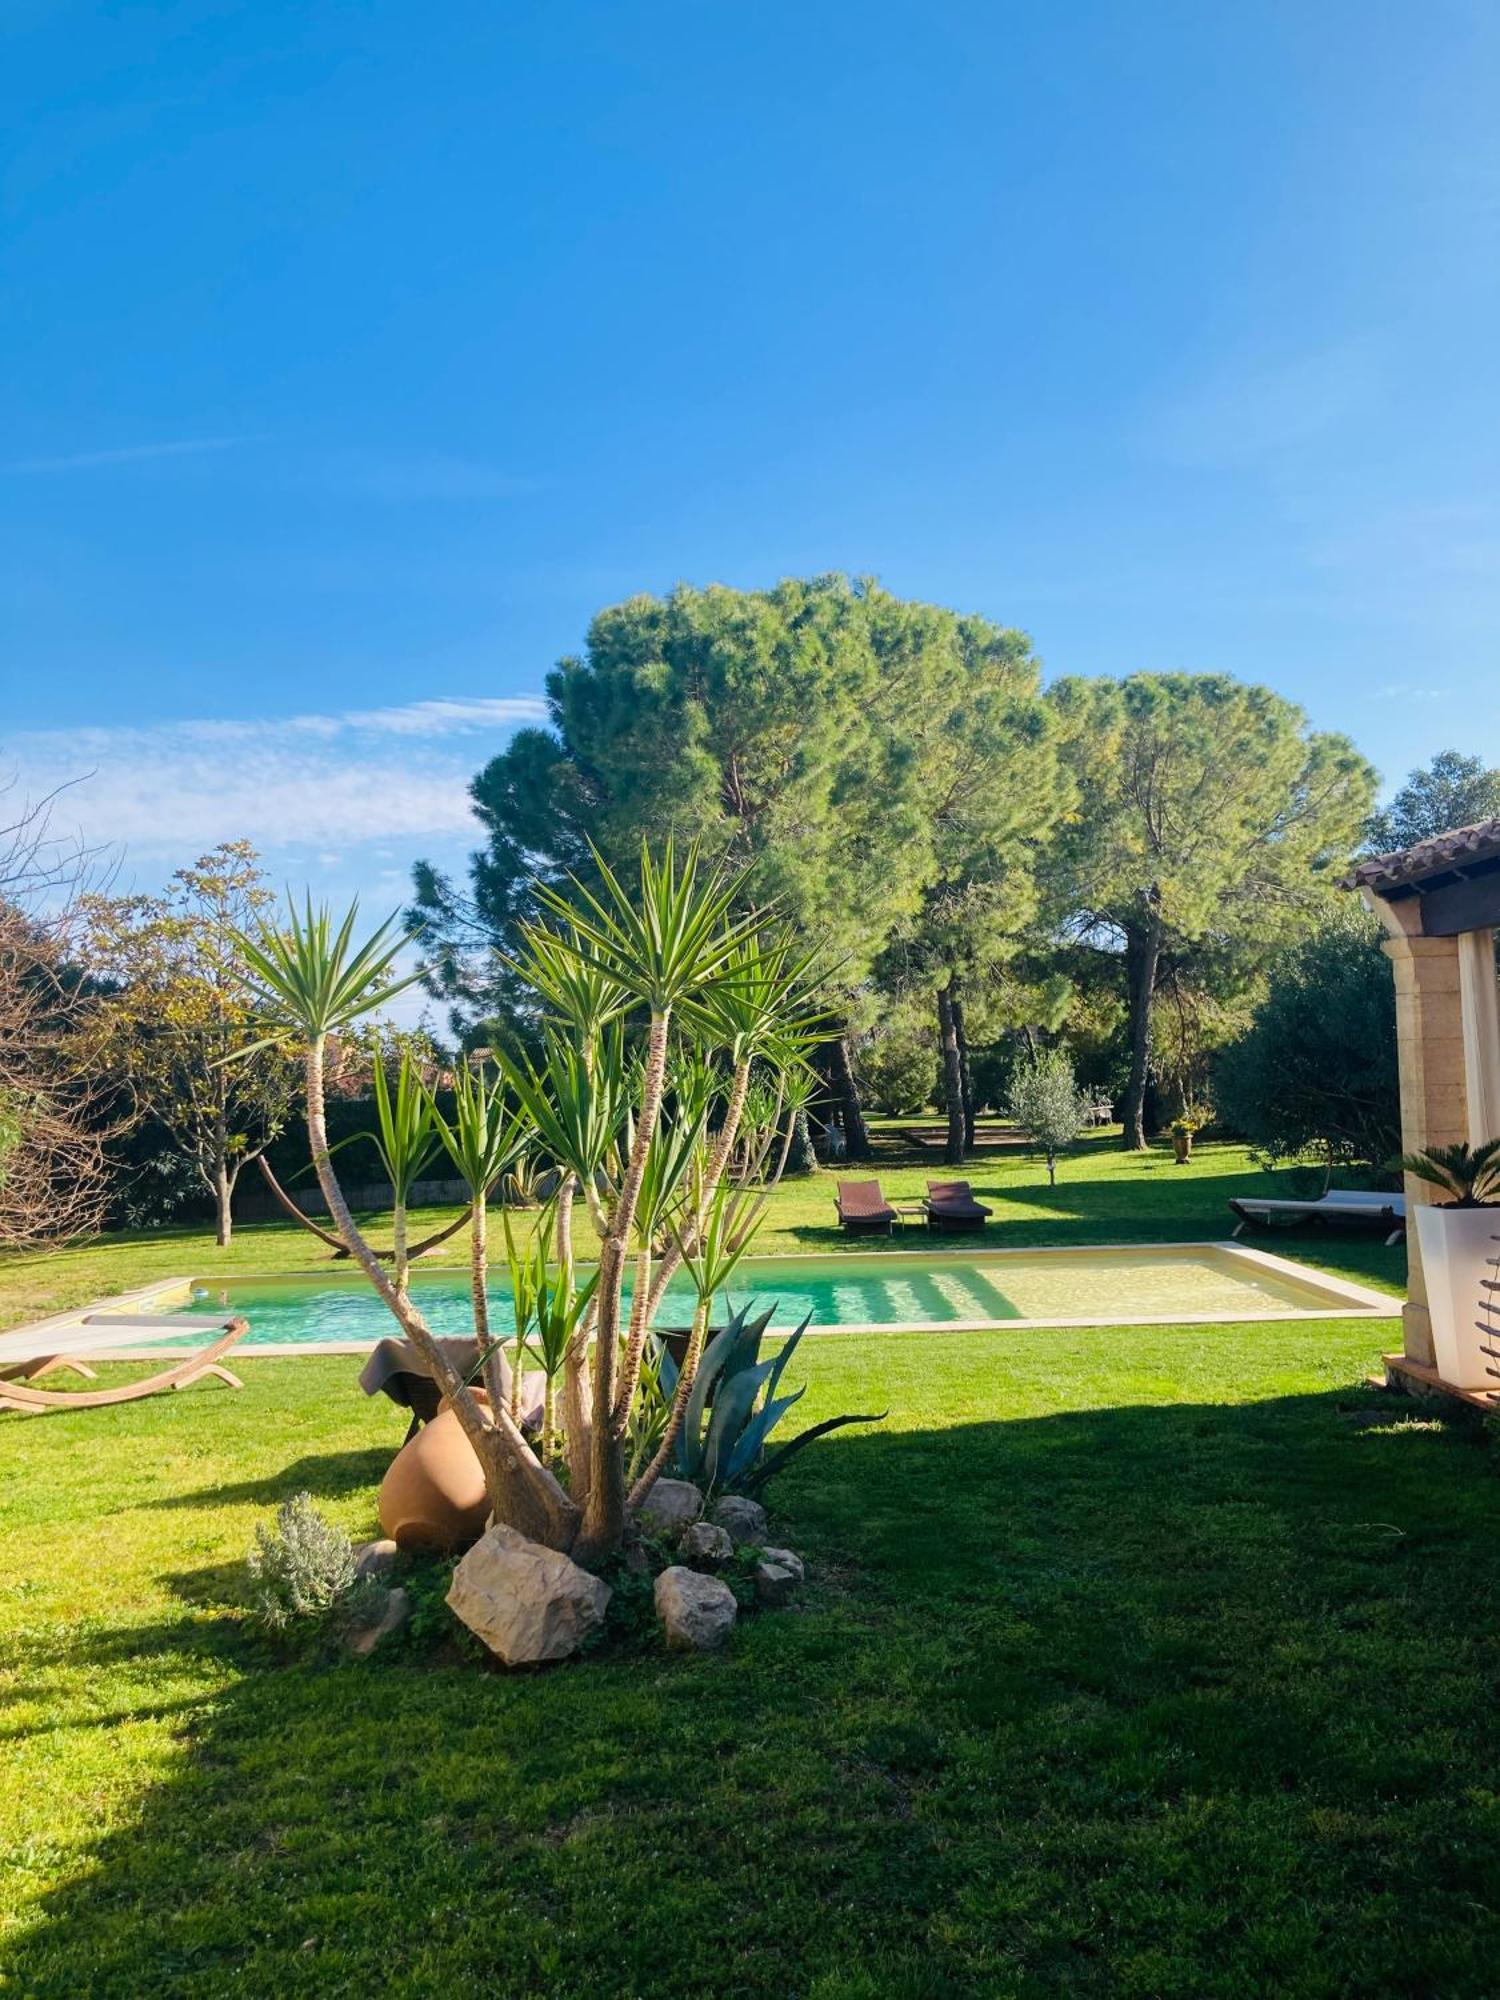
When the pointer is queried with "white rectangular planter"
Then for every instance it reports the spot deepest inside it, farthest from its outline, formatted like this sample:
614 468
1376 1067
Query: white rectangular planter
1460 1247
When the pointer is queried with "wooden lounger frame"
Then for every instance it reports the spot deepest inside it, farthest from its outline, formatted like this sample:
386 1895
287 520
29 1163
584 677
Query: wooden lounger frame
16 1392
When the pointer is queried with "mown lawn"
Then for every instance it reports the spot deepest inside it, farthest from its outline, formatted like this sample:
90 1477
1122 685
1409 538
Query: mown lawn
1102 1196
1130 1663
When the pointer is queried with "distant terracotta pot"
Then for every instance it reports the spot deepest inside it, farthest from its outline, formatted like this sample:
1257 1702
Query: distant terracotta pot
1182 1146
433 1496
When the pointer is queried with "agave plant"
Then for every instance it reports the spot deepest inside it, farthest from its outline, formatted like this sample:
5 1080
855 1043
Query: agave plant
734 1407
1469 1175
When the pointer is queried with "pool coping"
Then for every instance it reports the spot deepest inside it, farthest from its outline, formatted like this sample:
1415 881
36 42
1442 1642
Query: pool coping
1348 1301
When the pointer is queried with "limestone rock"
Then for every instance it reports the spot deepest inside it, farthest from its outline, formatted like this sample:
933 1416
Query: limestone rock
393 1614
697 1612
375 1558
777 1575
671 1505
744 1519
527 1603
704 1546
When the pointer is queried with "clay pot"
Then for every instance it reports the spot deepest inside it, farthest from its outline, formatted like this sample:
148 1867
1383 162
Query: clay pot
1182 1146
432 1497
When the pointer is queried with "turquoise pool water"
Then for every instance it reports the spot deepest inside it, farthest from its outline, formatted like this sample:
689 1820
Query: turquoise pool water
872 1290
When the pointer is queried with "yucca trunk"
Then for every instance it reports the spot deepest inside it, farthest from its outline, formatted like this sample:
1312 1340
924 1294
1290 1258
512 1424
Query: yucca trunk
522 1492
604 1512
663 1455
400 1257
479 1288
577 1385
671 1260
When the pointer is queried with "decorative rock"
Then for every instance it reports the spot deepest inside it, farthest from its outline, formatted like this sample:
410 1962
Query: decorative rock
672 1504
375 1558
363 1640
745 1519
698 1612
704 1546
777 1575
527 1603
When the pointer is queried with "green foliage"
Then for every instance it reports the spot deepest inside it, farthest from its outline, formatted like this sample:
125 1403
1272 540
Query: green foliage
482 1139
1211 824
1315 1073
896 1064
1469 1175
1452 791
734 1407
302 1572
1047 1104
821 731
308 977
407 1135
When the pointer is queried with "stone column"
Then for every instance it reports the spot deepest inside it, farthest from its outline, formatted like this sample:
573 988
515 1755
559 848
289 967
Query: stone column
1434 1087
1479 992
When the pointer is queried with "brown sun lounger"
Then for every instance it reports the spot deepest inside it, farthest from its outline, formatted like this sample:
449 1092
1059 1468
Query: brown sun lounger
951 1205
17 1376
864 1210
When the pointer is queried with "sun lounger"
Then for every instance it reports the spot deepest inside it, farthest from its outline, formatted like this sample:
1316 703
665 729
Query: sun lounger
63 1347
864 1210
1350 1206
951 1205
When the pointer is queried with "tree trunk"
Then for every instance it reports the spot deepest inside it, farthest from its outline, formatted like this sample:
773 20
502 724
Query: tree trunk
965 1076
846 1095
803 1157
953 1093
1142 959
223 1196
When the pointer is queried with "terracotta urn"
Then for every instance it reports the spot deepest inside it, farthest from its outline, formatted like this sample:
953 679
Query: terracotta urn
432 1497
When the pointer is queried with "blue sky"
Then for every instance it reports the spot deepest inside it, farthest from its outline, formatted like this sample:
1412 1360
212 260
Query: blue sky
354 354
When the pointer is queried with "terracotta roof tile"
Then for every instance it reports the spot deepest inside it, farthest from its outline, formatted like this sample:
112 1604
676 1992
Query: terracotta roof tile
1480 842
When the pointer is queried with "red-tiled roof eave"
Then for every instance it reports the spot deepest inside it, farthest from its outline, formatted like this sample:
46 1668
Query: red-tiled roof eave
1410 866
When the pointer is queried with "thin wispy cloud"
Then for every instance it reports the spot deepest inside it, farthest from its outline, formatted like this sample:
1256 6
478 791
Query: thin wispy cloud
1258 408
318 783
130 454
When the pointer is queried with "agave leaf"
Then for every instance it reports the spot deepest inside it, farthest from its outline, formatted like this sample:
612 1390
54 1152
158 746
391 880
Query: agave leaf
710 1367
752 1441
786 1353
776 1462
733 1406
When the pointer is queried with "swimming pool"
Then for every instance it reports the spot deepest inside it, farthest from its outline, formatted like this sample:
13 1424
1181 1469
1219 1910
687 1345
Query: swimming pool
867 1293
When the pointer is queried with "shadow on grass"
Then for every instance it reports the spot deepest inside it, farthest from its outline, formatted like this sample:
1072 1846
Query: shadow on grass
326 1475
1154 1698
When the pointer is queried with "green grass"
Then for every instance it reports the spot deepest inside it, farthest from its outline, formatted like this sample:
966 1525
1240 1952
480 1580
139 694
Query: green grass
1130 1663
1145 1661
1102 1196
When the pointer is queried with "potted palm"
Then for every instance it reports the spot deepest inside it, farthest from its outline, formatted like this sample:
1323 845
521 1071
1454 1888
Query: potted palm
1460 1239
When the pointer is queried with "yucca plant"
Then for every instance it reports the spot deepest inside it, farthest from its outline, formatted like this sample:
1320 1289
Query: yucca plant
1470 1176
482 1141
311 980
663 948
407 1142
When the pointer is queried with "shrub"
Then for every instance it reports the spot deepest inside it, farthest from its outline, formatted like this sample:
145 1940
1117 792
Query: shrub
897 1070
302 1571
1316 1070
